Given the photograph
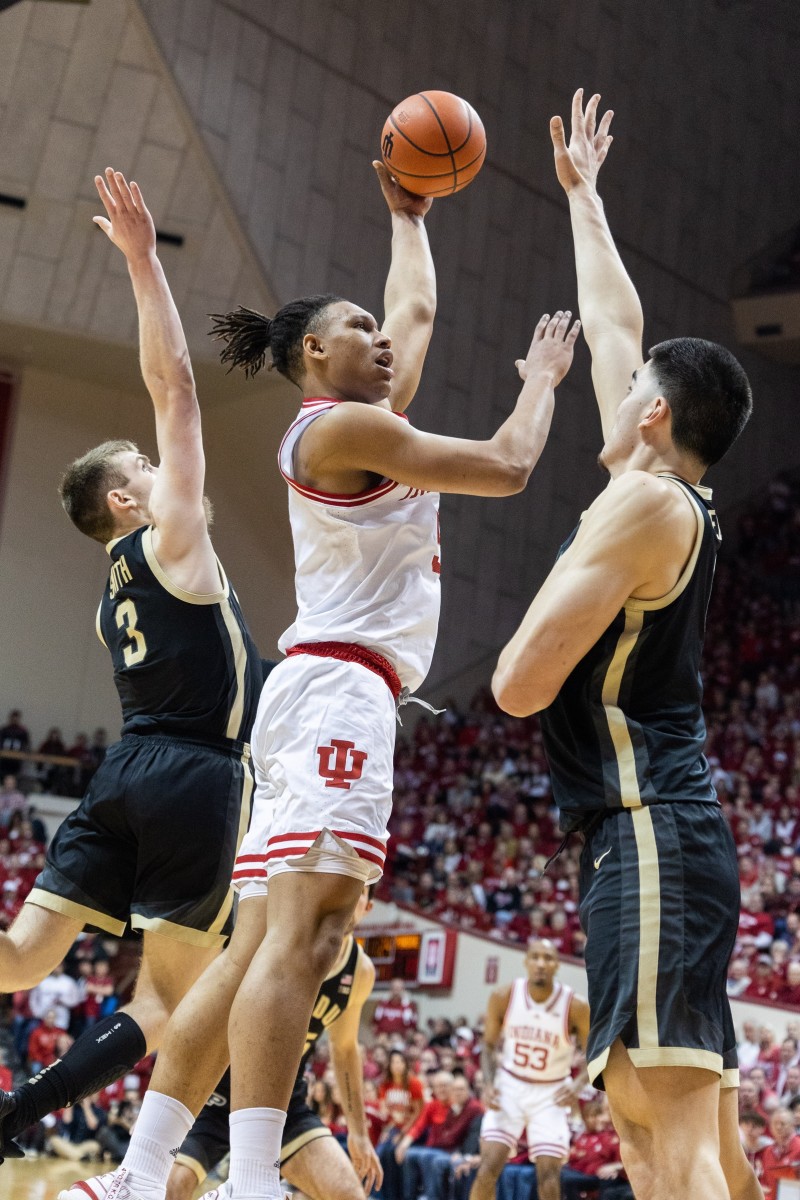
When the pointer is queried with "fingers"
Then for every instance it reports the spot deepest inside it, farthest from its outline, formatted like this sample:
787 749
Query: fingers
572 334
119 186
105 195
602 129
577 112
557 133
538 332
138 199
558 324
104 224
590 117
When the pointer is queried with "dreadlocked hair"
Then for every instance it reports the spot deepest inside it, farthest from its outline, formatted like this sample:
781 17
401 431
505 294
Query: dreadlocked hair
249 334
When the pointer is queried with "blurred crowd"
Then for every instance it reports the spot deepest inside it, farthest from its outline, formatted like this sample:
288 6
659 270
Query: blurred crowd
34 773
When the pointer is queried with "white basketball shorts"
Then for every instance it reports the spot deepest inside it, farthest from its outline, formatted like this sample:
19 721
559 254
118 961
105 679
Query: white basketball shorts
323 753
529 1107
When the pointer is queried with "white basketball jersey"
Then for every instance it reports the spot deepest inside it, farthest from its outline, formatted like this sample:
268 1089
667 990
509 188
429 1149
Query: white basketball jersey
536 1042
367 566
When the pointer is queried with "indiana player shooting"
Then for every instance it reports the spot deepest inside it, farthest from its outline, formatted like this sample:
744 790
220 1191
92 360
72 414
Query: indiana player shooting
363 503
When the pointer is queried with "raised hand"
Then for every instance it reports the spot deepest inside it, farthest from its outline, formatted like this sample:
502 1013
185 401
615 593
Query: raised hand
578 164
398 199
128 224
552 347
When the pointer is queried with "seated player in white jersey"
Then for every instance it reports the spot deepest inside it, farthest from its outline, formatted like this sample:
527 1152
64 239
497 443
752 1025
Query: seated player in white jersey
532 1027
363 506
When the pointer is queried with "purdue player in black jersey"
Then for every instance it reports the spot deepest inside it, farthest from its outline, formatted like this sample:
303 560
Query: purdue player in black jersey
156 835
311 1160
609 653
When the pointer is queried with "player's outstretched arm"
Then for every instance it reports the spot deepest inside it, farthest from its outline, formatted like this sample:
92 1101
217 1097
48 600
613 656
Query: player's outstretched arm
348 1068
410 295
364 437
628 544
177 498
608 302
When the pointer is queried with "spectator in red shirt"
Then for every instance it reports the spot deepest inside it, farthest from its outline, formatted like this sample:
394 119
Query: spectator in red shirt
372 1110
42 1043
764 985
433 1114
594 1159
401 1097
781 1160
397 1013
446 1124
99 988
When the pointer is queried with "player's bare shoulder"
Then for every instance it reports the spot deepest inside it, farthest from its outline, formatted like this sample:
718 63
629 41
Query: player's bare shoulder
496 1010
578 1019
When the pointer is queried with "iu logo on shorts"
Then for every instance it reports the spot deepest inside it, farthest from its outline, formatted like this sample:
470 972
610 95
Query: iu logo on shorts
340 764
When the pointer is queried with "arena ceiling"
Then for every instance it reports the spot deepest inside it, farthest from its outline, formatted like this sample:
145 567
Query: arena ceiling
85 87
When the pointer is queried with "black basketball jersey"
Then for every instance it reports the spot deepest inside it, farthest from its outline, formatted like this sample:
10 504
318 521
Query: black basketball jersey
332 1000
184 665
627 727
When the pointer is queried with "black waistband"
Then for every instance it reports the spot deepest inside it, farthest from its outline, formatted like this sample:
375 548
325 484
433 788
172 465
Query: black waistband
228 746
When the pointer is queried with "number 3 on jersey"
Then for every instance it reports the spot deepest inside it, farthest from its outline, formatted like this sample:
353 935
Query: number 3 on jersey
531 1057
126 617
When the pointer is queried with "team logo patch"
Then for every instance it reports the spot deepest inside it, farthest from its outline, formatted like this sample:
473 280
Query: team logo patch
340 764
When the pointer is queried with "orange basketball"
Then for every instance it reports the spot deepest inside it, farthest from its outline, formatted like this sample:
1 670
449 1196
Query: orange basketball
433 143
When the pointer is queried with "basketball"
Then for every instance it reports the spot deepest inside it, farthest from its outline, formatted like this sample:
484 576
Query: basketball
433 143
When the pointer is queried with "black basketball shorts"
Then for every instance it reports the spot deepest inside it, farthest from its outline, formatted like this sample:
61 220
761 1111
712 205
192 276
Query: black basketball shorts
660 908
208 1141
154 840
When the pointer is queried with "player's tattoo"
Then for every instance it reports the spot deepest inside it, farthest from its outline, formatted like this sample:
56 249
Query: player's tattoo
488 1063
348 1091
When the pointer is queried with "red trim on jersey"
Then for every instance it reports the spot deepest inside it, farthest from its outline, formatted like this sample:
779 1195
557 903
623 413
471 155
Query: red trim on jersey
315 401
567 1033
339 499
551 1003
349 652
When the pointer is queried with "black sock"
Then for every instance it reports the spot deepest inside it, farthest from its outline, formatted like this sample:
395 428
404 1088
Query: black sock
104 1053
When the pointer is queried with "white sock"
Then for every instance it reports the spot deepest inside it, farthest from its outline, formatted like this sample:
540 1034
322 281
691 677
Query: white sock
161 1126
256 1135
